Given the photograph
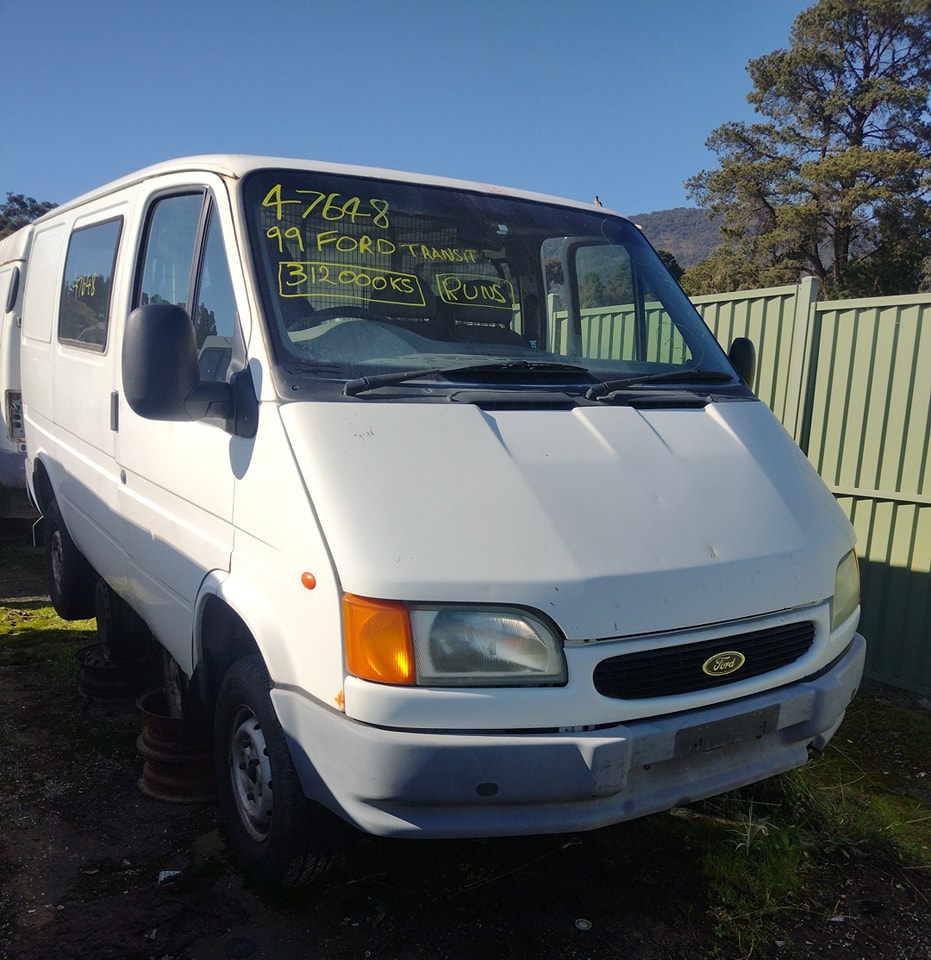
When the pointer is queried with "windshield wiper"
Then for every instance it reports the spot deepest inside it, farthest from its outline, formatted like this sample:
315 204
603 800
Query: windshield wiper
607 387
353 387
361 384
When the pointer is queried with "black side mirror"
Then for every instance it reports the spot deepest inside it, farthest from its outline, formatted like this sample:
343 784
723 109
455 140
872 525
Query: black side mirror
161 377
742 356
159 361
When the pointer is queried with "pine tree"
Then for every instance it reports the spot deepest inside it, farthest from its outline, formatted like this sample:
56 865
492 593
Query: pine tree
835 182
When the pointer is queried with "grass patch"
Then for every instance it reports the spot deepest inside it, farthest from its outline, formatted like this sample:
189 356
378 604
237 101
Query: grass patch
38 649
18 558
31 634
764 850
874 784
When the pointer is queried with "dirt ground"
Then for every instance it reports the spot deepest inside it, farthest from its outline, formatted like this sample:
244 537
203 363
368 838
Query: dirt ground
92 868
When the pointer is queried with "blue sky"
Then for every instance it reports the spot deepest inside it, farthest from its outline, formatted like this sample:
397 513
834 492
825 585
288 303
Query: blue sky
573 98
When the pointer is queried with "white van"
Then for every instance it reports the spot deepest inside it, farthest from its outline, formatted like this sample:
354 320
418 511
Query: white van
451 516
14 502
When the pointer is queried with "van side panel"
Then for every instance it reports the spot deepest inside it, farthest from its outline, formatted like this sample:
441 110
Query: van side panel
278 540
38 374
175 501
41 296
68 387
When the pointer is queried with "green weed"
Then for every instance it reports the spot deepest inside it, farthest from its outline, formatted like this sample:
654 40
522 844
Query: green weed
762 851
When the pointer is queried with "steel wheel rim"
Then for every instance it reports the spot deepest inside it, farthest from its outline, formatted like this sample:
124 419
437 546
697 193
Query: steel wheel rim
250 774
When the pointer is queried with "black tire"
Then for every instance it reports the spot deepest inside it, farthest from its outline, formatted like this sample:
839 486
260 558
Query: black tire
71 579
121 632
256 777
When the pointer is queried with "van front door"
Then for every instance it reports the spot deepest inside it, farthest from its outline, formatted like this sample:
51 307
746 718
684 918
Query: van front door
176 480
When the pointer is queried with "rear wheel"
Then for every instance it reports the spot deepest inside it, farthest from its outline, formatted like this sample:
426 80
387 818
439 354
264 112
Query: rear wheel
280 837
71 579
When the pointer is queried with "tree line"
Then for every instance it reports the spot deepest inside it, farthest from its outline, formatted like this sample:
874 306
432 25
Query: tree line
18 210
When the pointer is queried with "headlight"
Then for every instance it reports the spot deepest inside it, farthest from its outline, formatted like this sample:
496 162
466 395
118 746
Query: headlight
391 642
846 597
495 646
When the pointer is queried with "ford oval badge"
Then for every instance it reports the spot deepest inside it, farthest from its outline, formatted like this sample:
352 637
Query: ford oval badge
722 664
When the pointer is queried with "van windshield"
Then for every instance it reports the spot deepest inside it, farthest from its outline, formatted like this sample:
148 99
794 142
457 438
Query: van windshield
373 278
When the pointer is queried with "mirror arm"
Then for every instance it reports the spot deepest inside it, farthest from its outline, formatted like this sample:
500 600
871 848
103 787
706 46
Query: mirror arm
210 400
235 402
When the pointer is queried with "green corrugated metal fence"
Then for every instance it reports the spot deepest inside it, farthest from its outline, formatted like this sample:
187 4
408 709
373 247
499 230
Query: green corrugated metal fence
851 381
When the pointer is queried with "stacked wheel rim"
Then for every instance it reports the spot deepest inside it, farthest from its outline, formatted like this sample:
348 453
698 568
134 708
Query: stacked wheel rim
175 769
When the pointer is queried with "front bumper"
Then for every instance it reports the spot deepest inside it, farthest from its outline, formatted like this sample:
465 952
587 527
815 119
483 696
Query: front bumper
402 783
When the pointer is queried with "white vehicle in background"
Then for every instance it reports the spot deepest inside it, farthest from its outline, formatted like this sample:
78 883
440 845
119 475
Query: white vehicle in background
14 501
451 516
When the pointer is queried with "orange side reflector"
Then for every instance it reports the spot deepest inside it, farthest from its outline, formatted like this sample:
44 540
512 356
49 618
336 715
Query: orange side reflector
379 645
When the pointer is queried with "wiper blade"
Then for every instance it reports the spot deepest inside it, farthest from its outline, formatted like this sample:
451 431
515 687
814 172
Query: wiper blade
361 384
353 387
606 388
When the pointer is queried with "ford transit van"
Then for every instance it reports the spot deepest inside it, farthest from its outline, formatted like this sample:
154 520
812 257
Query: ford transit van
450 515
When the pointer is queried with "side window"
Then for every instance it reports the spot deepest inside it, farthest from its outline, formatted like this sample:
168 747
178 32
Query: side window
214 311
84 314
184 263
607 302
169 250
622 317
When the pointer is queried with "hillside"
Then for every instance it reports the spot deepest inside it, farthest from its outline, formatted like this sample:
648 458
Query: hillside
685 232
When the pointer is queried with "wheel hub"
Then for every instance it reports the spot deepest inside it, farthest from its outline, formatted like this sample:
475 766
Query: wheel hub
251 774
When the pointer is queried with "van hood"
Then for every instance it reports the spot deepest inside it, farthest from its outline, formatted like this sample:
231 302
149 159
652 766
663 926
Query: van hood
611 520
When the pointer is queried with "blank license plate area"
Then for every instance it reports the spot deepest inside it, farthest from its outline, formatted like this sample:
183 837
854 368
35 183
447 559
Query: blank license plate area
722 733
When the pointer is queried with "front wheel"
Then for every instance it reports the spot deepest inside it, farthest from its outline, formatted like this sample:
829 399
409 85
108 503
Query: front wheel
280 837
71 579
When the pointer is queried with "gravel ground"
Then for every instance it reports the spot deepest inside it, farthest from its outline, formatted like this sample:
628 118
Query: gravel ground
92 867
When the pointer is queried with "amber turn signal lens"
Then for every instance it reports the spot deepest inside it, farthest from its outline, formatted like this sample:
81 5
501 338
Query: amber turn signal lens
378 640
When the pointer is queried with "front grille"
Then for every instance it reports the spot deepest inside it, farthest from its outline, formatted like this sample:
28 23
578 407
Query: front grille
671 670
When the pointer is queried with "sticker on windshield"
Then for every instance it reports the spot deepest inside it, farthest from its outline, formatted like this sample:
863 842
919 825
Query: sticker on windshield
350 282
475 290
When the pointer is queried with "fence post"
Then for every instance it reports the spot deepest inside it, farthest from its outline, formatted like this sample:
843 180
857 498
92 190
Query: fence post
797 408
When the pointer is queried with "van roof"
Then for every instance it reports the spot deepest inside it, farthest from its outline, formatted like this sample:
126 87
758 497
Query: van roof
236 166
